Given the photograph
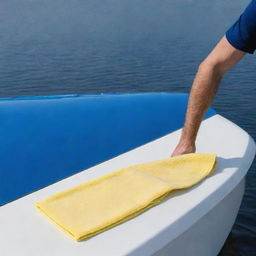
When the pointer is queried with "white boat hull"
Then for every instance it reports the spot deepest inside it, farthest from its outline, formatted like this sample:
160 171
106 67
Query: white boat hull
208 235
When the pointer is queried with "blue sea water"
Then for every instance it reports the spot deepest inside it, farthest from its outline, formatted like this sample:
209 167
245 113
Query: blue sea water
82 47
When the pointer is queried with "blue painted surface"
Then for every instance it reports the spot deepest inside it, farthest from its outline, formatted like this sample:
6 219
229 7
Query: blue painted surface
45 139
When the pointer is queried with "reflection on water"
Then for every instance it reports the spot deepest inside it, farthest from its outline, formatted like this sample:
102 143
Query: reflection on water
70 47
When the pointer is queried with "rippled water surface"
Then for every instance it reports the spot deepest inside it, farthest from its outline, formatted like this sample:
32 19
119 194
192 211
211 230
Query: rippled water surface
66 47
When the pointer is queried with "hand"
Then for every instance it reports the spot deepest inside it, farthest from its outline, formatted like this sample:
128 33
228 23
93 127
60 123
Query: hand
183 148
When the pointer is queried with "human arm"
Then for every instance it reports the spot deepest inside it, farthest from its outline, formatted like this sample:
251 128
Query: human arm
203 91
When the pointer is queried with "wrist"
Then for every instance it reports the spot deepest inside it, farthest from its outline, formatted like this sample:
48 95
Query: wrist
187 142
184 147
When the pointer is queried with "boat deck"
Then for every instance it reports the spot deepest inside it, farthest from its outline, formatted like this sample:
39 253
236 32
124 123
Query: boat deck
25 231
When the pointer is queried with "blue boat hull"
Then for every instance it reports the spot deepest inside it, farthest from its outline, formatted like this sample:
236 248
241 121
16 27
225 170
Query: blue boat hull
45 139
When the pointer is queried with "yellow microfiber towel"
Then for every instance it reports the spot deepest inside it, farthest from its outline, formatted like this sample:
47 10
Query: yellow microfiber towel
95 206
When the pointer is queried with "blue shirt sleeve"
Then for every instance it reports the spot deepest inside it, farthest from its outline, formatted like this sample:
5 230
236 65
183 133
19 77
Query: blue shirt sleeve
242 34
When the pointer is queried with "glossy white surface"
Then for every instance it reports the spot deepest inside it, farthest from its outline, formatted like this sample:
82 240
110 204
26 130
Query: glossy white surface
208 234
25 231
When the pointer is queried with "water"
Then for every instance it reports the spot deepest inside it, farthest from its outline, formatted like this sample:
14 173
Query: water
66 47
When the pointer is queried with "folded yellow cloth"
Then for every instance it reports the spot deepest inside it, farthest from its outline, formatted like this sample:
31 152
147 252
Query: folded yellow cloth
97 205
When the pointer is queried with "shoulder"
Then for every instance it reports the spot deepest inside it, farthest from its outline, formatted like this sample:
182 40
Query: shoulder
242 34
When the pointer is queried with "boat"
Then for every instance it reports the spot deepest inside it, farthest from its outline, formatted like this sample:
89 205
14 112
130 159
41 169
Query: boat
52 143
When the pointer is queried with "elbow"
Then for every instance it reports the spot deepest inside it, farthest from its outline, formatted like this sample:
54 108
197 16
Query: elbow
218 69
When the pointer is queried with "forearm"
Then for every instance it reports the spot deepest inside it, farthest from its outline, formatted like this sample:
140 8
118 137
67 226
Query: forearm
202 93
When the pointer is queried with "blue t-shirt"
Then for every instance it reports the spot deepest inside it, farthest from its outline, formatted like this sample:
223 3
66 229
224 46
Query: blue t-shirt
242 35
